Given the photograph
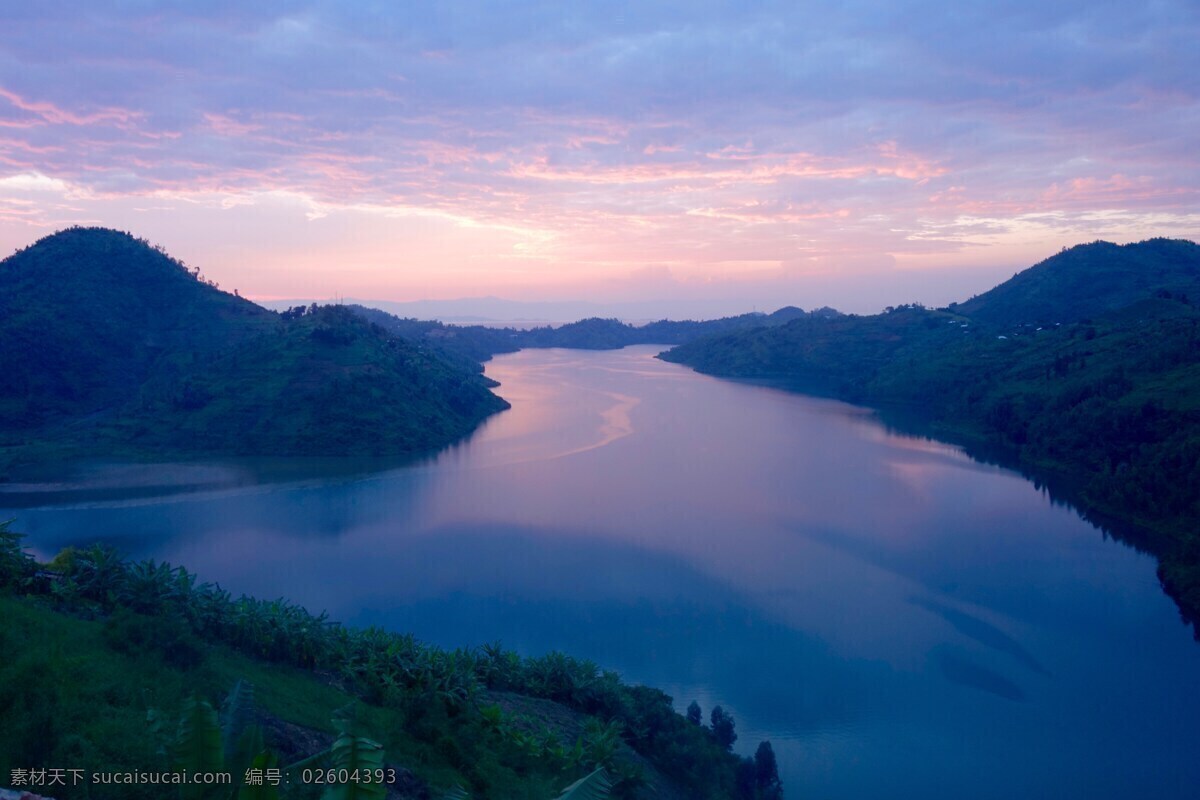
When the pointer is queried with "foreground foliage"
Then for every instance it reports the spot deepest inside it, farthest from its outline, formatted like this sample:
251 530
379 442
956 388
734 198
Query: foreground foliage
134 625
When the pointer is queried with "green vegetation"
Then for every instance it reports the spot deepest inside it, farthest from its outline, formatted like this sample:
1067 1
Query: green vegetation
474 343
468 345
101 653
722 728
1087 281
610 334
110 347
326 382
1083 371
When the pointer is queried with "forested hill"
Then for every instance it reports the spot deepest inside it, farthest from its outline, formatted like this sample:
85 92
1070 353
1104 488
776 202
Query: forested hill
1083 370
86 314
109 346
1089 280
608 334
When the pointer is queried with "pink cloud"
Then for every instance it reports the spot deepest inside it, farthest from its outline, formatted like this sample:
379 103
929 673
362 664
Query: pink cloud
1114 190
17 144
227 126
540 156
653 149
756 213
53 115
736 165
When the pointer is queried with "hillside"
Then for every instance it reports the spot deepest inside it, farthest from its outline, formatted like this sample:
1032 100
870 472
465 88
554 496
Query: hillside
610 334
104 659
473 343
325 383
1103 403
87 313
109 346
466 345
1088 280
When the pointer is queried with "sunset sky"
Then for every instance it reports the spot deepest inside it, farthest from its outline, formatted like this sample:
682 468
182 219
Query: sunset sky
705 155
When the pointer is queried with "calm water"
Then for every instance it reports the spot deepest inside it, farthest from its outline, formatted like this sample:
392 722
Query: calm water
898 620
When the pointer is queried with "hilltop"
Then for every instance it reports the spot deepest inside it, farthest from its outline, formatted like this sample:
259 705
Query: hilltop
1089 280
86 314
1083 371
110 346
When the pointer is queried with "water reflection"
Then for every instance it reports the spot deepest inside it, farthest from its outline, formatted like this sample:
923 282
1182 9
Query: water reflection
899 620
982 631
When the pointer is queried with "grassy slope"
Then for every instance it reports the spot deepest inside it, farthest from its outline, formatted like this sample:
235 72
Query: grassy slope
71 698
91 642
1106 408
76 690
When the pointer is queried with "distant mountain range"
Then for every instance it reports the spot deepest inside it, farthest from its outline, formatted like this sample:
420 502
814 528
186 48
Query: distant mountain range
1083 370
475 343
109 346
499 312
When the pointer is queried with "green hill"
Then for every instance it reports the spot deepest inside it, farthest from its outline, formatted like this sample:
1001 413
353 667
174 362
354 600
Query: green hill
88 313
109 346
325 383
1083 371
1088 280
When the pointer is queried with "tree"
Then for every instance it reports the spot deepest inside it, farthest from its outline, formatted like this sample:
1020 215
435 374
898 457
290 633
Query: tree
722 728
694 714
766 773
16 566
745 779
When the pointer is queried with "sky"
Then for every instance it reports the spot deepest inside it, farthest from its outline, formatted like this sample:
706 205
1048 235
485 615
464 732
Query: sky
687 156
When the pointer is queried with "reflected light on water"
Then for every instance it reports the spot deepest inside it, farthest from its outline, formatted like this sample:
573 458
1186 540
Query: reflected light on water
899 620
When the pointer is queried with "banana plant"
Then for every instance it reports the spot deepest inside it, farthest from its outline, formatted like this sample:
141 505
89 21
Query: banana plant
601 741
208 743
242 740
198 748
357 755
263 762
148 587
97 573
594 786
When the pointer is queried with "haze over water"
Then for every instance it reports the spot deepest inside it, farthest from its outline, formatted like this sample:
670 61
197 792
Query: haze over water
899 620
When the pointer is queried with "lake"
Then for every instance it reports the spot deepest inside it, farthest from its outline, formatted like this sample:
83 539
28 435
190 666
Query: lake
899 620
